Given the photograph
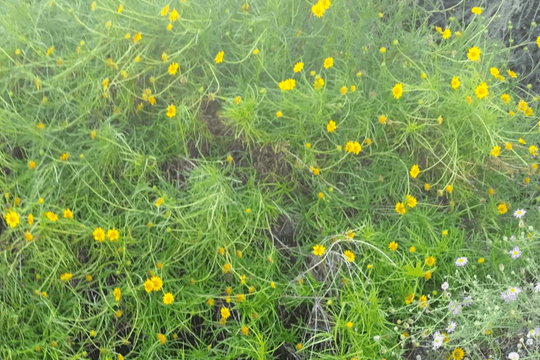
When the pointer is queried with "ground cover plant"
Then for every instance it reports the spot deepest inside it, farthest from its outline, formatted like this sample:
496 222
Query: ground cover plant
266 180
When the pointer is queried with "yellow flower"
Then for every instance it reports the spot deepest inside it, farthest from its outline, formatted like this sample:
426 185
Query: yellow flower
505 98
455 83
393 246
397 90
318 250
353 147
148 285
326 3
349 325
68 214
415 170
159 202
321 195
66 276
226 268
476 10
245 330
481 90
422 301
99 234
331 126
108 24
12 218
512 74
328 62
93 6
474 53
318 9
382 119
51 216
30 219
412 249
382 50
40 201
169 27
256 52
168 298
533 150
318 83
496 151
225 313
521 141
353 88
494 71
349 255
430 261
64 156
508 146
219 57
279 114
288 84
50 50
308 145
240 298
449 188
137 58
522 105
411 201
446 34
400 208
113 234
28 236
165 10
424 76
502 208
171 111
88 277
481 260
458 353
137 37
120 8
427 186
162 339
298 67
445 233
409 299
343 90
173 16
157 282
173 68
117 294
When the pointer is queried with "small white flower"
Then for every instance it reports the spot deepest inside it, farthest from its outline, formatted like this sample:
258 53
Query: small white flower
445 286
513 356
519 213
452 327
515 252
454 307
537 287
438 340
462 261
530 342
376 338
513 238
467 301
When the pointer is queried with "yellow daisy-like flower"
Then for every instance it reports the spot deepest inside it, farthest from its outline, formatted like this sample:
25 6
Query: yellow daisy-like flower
502 208
331 126
318 250
427 186
28 236
521 141
117 294
328 62
446 33
66 276
481 90
318 83
225 313
51 216
455 83
68 214
476 10
148 285
353 147
99 234
382 119
343 90
219 57
409 299
449 188
349 255
159 202
120 8
162 339
168 298
298 67
411 201
30 219
533 150
157 282
113 234
458 353
174 15
173 68
505 98
512 74
400 208
288 84
171 111
12 218
496 151
412 249
165 10
474 53
397 90
393 246
430 261
415 170
318 9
